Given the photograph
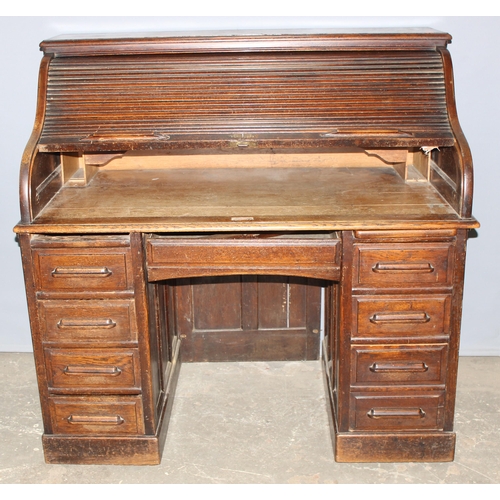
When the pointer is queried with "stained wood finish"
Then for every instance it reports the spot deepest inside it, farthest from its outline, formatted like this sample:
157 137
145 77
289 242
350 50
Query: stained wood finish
424 446
91 372
97 416
294 93
69 322
379 412
416 317
399 365
418 265
312 255
248 318
92 317
309 199
182 193
247 41
395 387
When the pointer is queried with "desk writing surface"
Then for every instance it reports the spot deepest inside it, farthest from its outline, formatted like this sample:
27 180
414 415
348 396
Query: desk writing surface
199 197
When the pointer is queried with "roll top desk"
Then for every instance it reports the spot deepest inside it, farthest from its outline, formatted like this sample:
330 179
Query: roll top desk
329 156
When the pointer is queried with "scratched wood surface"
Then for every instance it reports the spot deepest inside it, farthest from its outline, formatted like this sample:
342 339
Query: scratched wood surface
195 195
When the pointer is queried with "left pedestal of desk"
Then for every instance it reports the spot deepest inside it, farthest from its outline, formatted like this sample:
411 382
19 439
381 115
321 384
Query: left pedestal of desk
106 365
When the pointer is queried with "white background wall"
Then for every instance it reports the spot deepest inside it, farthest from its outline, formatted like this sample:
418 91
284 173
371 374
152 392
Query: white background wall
477 72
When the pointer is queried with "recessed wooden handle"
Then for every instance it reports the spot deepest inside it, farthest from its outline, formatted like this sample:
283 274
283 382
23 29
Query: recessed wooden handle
396 413
97 272
92 370
375 131
86 323
96 420
399 367
103 136
400 317
403 267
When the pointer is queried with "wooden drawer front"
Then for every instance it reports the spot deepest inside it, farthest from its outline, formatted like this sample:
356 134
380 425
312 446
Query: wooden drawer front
399 365
393 317
396 413
197 257
104 416
85 371
82 270
101 321
393 265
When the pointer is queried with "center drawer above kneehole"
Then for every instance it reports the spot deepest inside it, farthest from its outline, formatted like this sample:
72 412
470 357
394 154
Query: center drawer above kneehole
400 265
309 255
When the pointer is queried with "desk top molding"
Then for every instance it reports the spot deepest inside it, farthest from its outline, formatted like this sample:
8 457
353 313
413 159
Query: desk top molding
254 40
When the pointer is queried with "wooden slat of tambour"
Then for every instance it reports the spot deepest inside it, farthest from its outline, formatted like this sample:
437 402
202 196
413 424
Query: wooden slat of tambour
111 96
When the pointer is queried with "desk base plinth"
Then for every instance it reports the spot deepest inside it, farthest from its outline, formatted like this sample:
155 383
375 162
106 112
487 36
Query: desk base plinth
414 447
142 450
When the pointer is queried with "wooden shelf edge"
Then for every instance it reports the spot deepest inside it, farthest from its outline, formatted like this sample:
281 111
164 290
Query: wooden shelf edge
242 226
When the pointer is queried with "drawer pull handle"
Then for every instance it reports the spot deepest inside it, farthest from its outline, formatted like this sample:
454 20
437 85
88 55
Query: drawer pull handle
99 420
97 272
113 371
396 413
400 317
86 323
403 267
399 367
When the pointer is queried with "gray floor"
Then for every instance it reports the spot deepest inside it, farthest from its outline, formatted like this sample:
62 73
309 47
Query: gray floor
243 423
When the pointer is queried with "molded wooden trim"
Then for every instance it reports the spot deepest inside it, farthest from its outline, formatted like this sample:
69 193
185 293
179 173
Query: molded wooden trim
254 40
27 162
464 154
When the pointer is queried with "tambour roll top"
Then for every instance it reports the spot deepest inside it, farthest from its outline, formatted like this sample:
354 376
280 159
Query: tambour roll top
268 90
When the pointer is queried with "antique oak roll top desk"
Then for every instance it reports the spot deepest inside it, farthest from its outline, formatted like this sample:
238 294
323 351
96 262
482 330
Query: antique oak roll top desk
333 159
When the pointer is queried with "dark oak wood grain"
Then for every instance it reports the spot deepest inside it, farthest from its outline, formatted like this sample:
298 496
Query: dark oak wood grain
248 318
190 195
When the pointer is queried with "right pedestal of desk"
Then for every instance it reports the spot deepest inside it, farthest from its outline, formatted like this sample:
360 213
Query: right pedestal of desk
391 349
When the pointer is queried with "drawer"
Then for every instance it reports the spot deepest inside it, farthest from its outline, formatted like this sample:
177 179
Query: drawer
90 371
400 265
101 416
313 255
396 413
399 365
92 321
82 270
394 317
